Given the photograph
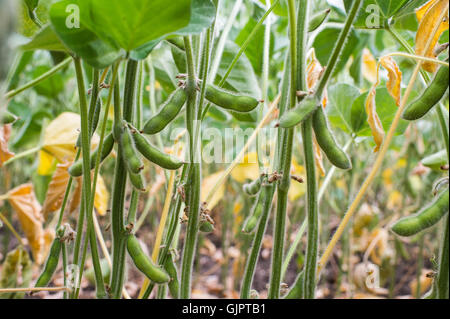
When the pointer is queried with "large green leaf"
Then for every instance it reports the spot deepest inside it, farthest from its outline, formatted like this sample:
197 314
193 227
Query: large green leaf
81 40
203 13
386 109
323 44
45 39
374 13
339 107
255 47
131 24
242 78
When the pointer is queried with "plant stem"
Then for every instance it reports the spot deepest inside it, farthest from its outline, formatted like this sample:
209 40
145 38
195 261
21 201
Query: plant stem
193 188
118 230
285 165
23 154
443 273
39 79
85 148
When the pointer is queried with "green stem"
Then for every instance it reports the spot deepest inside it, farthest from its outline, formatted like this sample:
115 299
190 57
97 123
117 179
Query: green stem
39 79
268 192
193 189
443 272
119 234
85 148
22 155
339 46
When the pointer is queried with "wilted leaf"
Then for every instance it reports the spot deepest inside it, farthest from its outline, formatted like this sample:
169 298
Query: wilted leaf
369 66
56 189
313 70
428 16
207 184
374 121
46 163
61 135
246 169
5 154
16 272
394 78
28 209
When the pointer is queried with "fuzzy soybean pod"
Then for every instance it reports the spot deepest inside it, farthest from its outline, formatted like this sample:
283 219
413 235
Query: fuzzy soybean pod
143 262
318 19
299 113
129 152
77 168
253 187
229 100
167 113
174 283
138 182
327 143
8 118
153 154
425 218
252 221
50 264
429 97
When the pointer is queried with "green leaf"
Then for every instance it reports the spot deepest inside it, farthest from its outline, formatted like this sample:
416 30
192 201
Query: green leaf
32 4
51 86
386 109
323 45
255 47
131 24
242 78
45 39
375 13
339 107
16 272
79 39
203 13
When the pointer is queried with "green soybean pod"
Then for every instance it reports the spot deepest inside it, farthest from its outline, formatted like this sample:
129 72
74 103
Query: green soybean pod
299 113
153 154
253 187
77 168
252 221
317 20
8 118
174 283
327 143
425 218
144 263
229 100
250 117
429 97
167 113
137 181
50 264
129 152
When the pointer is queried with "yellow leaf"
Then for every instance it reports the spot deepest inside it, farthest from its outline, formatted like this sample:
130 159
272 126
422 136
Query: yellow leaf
369 66
428 15
46 163
56 189
207 184
76 196
247 169
101 196
394 78
24 202
5 154
374 121
61 135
